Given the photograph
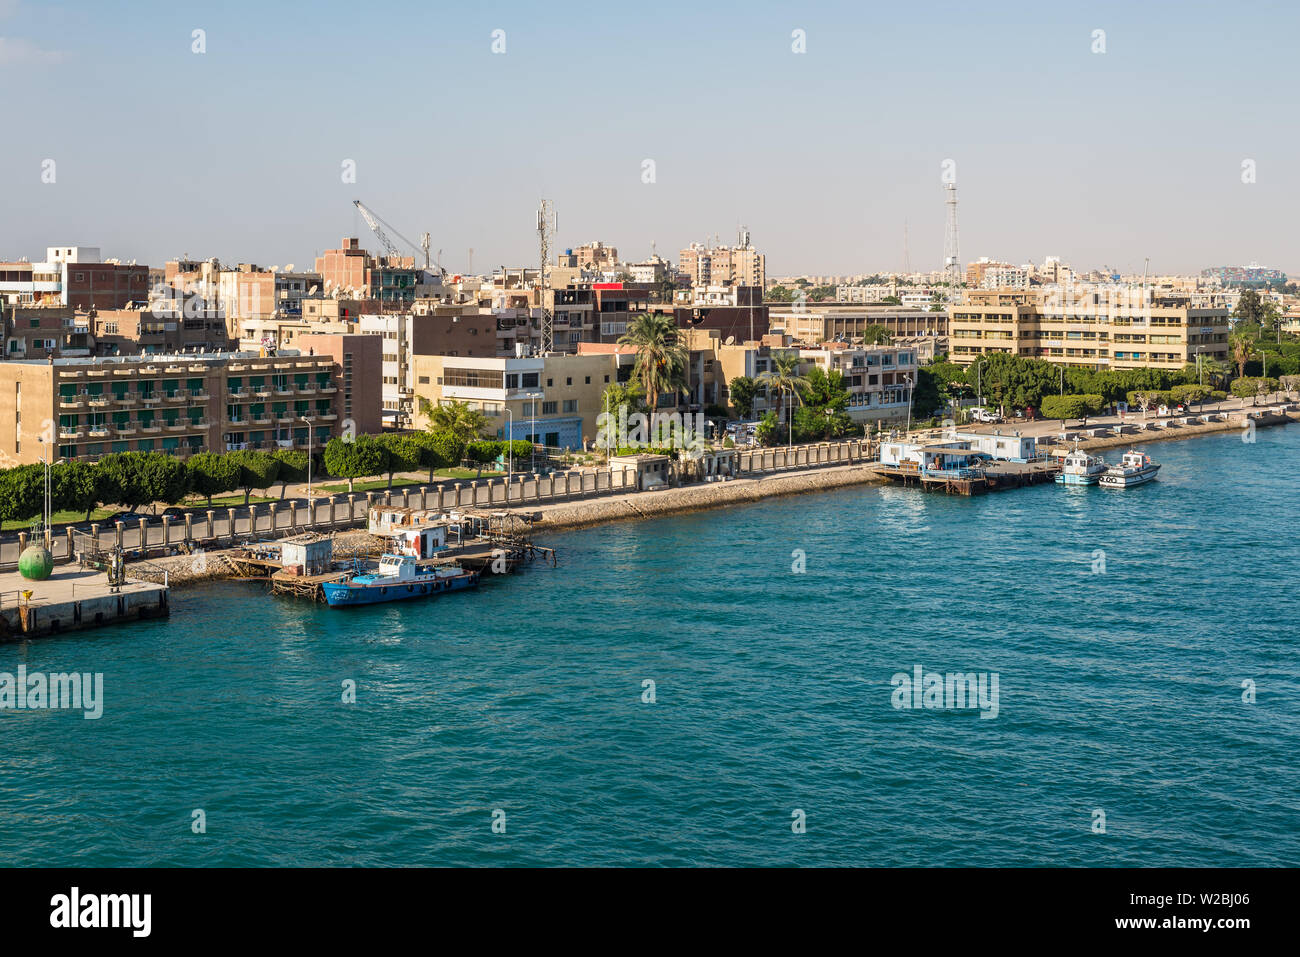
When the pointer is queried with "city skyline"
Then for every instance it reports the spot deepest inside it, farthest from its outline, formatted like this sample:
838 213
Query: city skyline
1101 158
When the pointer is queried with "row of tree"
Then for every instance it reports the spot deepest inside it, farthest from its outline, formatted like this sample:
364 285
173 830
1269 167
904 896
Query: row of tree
135 479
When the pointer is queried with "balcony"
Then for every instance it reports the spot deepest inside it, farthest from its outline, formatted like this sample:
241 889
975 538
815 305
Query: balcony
262 392
176 395
285 417
261 420
284 392
125 398
152 398
124 428
199 394
327 389
175 426
151 429
71 401
99 401
99 432
327 417
73 433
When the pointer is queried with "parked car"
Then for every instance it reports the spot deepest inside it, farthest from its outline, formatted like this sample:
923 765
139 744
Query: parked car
984 415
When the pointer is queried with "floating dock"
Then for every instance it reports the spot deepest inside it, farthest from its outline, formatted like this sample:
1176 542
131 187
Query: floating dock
74 598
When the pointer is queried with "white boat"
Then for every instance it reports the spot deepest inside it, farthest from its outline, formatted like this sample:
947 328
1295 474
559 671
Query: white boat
1080 468
1135 468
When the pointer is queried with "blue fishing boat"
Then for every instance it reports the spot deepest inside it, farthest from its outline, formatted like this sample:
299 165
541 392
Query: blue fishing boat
399 577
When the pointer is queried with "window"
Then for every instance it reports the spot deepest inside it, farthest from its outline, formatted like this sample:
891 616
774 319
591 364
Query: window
529 380
569 380
570 405
548 408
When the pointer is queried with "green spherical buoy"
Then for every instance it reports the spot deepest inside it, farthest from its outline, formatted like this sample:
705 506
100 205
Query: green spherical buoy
35 563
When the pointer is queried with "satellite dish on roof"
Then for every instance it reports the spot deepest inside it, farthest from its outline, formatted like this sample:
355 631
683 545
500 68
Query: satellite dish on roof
288 267
731 341
312 290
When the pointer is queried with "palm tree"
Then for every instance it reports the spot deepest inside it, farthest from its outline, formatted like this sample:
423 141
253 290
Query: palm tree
1214 370
876 335
1242 351
661 356
785 380
458 418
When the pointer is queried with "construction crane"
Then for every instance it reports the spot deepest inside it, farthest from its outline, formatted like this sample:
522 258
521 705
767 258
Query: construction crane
390 248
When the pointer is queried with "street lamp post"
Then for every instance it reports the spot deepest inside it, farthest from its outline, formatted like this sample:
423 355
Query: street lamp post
908 380
307 421
510 449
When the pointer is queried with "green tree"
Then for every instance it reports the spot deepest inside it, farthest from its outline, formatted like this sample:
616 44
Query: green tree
211 474
1071 406
457 418
482 453
292 468
257 469
784 379
404 454
767 430
742 391
1242 348
439 450
22 492
358 458
144 478
661 357
76 487
877 335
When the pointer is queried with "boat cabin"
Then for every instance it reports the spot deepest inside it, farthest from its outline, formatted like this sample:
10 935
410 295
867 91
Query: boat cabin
419 541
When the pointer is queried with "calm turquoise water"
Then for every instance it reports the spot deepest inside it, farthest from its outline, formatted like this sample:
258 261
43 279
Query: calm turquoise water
1119 691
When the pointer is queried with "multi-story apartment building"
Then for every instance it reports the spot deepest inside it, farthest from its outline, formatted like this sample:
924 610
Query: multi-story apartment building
179 404
822 322
358 366
591 256
74 276
740 265
38 332
880 379
249 294
1097 328
552 400
353 271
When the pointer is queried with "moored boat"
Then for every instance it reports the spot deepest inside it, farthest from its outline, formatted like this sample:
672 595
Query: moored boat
1135 468
399 577
1080 468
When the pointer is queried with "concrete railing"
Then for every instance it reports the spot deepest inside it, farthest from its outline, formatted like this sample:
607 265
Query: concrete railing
222 527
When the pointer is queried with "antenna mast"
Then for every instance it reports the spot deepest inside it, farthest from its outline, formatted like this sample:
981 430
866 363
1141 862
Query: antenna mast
951 256
546 222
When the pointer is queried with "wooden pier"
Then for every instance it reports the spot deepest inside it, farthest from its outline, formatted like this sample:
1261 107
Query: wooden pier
995 476
495 543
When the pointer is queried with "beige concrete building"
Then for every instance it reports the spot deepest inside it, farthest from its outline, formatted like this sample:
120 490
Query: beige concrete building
179 404
552 400
1096 329
823 322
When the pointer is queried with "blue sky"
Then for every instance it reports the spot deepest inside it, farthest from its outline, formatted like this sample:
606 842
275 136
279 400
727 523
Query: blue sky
1103 159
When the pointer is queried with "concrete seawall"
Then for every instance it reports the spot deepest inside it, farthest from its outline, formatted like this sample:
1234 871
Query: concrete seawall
694 498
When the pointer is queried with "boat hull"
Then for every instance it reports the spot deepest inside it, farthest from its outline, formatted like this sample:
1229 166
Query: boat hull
1074 478
348 594
1130 479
